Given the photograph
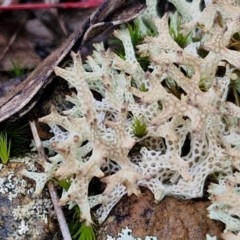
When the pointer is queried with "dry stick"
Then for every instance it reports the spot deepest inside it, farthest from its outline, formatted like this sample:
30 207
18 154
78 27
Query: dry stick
27 6
60 216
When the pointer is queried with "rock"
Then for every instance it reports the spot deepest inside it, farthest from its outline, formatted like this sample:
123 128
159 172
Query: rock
171 219
24 216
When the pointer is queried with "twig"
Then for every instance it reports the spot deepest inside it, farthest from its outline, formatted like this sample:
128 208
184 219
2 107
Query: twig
9 2
60 216
26 6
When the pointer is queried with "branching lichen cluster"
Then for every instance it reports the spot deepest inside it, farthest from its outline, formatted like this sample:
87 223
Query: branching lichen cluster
189 132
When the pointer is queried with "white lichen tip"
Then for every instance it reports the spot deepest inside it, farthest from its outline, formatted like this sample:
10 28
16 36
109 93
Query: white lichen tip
23 228
126 234
208 237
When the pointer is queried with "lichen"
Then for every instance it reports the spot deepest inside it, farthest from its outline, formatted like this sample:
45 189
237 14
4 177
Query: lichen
99 140
126 234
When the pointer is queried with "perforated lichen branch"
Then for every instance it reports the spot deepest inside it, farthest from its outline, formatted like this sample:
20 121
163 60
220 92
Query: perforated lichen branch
185 136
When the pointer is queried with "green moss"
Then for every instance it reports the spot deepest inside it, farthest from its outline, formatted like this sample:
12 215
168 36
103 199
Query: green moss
139 127
19 135
17 69
143 88
137 39
174 30
85 233
5 147
172 87
235 90
78 230
64 183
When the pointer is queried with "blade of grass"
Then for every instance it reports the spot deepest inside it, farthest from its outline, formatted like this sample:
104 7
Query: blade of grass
5 148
